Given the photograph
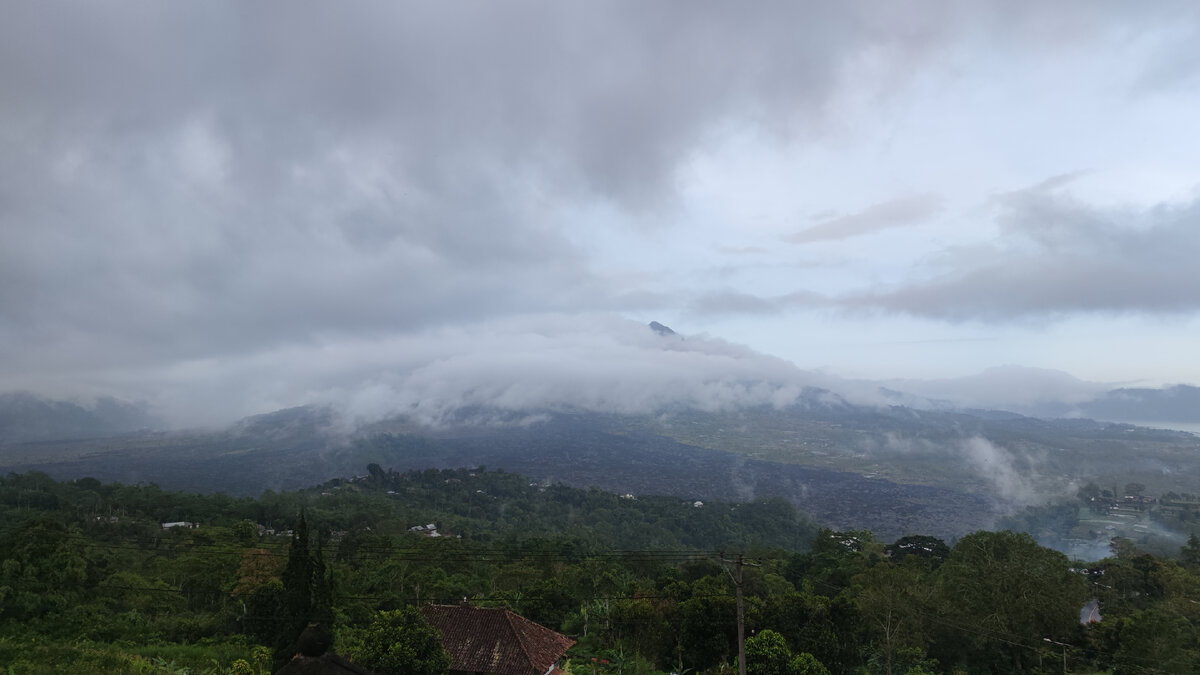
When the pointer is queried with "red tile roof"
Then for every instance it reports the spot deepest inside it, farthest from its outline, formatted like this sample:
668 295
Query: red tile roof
485 640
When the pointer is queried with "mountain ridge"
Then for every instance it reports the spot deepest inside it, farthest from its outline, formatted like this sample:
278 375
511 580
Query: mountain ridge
894 470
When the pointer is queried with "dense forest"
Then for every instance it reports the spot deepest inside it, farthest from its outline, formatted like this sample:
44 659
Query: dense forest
99 577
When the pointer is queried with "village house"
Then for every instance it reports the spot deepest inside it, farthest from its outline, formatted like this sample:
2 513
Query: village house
495 641
181 524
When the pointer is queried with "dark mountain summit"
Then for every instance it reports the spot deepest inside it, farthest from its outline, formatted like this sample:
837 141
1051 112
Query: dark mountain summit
660 329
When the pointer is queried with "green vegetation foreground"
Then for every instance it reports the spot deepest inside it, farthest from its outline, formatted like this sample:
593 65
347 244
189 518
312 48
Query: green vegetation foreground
92 581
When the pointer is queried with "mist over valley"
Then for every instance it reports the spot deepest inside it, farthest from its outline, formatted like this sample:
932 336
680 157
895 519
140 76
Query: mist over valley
688 416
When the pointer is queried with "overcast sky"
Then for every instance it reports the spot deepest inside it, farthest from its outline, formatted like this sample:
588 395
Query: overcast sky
226 207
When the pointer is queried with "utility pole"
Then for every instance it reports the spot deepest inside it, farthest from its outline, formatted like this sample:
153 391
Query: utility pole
1064 651
741 612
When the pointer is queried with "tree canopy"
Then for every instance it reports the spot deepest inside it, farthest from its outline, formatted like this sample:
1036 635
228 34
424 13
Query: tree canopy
91 580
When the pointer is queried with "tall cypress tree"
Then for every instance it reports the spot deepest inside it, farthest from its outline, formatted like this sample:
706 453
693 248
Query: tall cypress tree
307 596
322 590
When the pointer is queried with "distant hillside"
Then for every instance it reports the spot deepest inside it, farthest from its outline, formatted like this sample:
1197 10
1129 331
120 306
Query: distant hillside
26 417
575 450
1180 403
1047 394
892 470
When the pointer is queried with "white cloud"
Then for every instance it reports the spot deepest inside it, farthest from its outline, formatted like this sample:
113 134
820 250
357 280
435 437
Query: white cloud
1059 257
589 362
885 215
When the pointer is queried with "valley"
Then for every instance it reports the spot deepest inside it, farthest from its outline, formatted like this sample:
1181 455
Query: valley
894 470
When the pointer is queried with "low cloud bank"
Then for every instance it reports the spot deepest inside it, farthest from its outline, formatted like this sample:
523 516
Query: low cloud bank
530 364
1014 476
598 363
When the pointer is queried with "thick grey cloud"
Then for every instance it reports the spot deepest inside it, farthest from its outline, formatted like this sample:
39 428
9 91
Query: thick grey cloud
607 98
1057 256
182 181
